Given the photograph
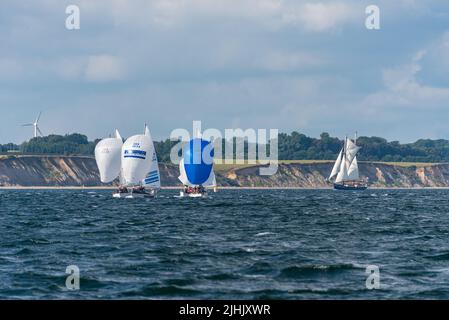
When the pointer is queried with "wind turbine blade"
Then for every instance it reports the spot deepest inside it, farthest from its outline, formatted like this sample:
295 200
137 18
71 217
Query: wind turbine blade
40 132
38 117
27 125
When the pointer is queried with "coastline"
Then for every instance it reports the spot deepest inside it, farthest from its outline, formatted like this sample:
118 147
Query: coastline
219 188
79 173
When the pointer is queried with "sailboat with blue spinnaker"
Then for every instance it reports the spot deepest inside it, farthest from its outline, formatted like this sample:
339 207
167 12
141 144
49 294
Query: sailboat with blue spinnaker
196 168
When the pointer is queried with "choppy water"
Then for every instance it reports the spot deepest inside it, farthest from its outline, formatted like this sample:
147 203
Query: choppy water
280 244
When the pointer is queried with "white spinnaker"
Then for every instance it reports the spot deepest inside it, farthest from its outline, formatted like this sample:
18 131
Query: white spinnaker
153 178
343 173
137 156
351 150
336 165
211 181
353 171
182 174
108 158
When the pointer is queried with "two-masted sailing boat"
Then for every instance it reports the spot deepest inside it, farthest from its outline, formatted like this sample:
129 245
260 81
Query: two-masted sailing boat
346 169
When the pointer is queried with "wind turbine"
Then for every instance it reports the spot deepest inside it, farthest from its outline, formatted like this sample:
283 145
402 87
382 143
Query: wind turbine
37 131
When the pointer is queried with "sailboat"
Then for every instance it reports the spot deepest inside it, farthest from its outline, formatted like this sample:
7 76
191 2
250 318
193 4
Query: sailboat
134 162
195 172
346 169
107 155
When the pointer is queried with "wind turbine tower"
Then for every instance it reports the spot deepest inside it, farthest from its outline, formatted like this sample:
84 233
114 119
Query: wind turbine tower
35 126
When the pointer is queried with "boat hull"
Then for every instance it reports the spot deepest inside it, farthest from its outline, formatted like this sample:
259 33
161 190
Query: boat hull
134 195
192 195
352 186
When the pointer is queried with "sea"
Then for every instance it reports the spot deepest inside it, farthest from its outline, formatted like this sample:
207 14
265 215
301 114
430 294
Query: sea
235 244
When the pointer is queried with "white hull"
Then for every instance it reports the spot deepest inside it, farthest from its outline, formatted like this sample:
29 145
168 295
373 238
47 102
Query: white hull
134 195
192 195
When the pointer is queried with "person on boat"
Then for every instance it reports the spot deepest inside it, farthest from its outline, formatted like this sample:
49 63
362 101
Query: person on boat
139 189
122 189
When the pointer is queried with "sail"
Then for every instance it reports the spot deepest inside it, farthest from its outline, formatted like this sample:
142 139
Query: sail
351 150
152 179
336 165
182 174
343 173
118 136
353 171
198 161
137 159
107 156
211 181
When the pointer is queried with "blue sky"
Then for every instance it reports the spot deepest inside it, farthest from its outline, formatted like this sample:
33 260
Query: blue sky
309 66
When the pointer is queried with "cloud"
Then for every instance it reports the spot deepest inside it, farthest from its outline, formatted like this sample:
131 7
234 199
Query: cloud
288 61
295 65
104 68
403 89
440 52
175 14
321 16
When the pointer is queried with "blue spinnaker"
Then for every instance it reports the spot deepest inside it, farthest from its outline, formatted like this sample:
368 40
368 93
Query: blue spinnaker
198 160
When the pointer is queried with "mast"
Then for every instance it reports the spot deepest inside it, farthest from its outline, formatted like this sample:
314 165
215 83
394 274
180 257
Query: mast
344 156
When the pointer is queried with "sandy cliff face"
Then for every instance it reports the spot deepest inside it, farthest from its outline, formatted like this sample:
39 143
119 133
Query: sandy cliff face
48 171
314 176
79 171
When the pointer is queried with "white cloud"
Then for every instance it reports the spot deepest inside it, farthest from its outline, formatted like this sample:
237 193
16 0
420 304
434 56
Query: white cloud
269 63
168 14
321 16
288 61
403 89
441 51
103 68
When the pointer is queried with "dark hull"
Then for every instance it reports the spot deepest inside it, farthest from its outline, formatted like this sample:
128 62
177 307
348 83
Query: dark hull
339 186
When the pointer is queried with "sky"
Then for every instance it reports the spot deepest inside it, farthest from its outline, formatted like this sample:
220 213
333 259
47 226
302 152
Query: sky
309 66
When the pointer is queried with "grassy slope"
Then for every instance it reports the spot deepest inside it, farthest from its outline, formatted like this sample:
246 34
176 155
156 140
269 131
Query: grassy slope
224 167
240 166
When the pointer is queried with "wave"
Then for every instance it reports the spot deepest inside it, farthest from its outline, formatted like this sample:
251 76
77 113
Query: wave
308 270
261 234
162 291
439 257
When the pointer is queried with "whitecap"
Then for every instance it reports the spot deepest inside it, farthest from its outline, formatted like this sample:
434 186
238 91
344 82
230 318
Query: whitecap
260 234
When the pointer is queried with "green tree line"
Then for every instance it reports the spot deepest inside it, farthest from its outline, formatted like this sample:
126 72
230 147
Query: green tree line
293 146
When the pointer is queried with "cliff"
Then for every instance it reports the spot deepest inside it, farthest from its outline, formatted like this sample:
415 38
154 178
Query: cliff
82 171
313 175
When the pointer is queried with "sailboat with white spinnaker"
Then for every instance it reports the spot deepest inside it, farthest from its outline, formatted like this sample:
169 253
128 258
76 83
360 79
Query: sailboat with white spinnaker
134 162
